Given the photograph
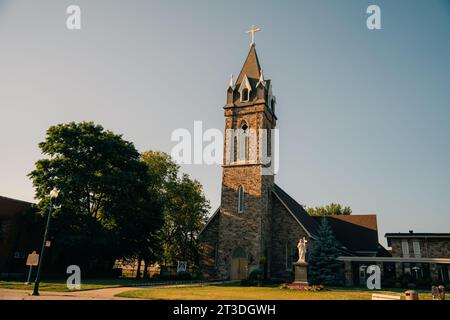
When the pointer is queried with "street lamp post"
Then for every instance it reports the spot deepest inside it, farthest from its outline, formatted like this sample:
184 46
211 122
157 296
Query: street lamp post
53 195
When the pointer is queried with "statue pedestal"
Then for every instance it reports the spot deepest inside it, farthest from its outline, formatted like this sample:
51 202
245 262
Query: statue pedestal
301 273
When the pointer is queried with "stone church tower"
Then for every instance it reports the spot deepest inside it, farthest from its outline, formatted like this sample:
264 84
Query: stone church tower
247 181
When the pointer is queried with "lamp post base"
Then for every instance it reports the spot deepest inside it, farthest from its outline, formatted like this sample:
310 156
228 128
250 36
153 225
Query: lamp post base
35 289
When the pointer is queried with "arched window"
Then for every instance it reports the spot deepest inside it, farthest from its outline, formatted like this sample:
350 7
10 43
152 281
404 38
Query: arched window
242 151
240 199
289 256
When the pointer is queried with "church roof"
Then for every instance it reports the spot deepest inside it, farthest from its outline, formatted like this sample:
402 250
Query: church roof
357 233
251 68
309 224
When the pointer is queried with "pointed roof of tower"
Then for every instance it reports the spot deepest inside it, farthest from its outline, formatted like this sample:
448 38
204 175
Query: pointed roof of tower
251 67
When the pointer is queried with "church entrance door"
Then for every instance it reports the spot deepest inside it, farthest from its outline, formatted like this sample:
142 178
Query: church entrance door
239 264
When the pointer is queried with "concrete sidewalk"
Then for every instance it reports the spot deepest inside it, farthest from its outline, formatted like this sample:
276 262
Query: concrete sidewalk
98 294
101 294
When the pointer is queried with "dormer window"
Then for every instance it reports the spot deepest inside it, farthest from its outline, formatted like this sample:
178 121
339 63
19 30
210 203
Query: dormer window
244 95
245 89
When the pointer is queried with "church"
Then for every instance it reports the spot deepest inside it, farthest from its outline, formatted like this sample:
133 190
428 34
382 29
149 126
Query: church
258 225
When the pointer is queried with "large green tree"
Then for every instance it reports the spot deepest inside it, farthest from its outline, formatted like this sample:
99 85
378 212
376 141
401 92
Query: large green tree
184 217
332 209
185 209
104 209
161 171
323 265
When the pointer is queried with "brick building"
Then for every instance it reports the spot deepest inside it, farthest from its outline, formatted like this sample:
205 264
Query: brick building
258 224
20 234
422 255
415 258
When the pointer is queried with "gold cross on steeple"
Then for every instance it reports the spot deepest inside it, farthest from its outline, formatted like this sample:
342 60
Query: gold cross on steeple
253 30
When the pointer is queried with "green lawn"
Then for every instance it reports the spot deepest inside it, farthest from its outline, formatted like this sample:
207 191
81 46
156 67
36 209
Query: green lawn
209 292
253 293
60 285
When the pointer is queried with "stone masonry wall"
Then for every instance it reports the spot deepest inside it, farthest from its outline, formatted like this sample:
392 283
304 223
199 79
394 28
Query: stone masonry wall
285 230
248 230
429 248
208 242
241 229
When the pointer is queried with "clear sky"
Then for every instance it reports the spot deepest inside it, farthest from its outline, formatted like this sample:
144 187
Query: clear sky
364 116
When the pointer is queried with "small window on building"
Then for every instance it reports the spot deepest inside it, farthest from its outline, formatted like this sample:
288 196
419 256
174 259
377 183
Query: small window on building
235 149
1 231
245 95
407 268
448 271
416 248
289 256
405 248
241 199
216 254
18 255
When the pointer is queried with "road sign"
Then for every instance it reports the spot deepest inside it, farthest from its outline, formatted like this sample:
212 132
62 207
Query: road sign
33 259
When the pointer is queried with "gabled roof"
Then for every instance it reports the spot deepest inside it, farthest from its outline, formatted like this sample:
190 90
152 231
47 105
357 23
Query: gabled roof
251 68
357 233
213 216
417 235
297 210
245 84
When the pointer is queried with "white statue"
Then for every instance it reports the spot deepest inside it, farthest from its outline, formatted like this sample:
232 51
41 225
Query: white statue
301 250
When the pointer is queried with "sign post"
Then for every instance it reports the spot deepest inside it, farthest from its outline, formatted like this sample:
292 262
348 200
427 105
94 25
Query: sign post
182 266
32 260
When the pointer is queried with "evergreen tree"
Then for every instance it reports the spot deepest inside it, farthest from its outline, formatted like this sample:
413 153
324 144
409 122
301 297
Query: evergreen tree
323 265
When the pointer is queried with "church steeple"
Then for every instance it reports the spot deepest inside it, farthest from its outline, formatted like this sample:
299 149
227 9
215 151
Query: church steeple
251 87
251 67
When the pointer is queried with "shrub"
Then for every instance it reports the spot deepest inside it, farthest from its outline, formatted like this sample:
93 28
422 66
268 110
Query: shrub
255 278
423 283
312 288
256 275
175 277
411 285
283 286
247 283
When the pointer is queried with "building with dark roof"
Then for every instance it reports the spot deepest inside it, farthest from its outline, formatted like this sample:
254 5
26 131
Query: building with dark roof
20 234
